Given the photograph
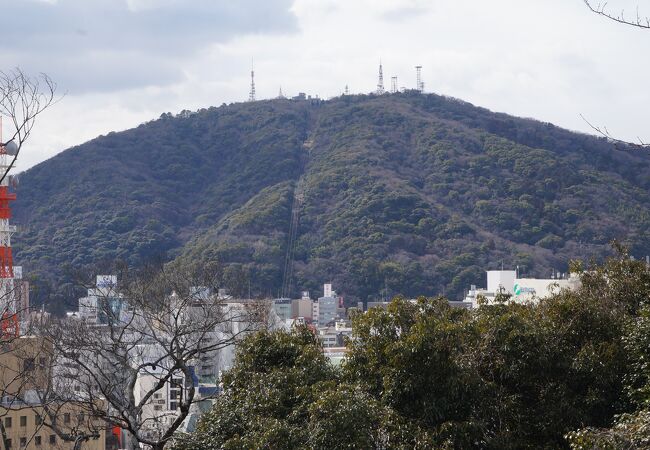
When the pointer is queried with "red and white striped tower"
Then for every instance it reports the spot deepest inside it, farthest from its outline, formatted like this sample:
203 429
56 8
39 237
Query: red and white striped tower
9 322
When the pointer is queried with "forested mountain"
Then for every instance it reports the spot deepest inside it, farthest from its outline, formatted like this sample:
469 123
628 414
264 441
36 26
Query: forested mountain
402 193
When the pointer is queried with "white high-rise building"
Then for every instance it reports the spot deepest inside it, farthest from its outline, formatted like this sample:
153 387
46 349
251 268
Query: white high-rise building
103 303
327 305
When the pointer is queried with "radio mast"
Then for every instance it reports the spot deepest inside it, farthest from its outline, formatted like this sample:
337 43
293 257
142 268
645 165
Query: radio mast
251 95
380 81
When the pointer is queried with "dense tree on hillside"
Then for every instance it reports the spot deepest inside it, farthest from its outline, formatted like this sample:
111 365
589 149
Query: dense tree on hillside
405 193
425 375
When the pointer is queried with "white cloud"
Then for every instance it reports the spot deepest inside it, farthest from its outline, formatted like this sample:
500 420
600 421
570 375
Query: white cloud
106 45
550 60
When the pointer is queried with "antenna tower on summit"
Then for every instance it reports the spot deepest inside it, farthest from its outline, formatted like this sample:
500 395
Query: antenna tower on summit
380 82
419 83
393 85
251 96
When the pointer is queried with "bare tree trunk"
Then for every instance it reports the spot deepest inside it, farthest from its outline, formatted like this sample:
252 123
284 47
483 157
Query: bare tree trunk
3 432
130 442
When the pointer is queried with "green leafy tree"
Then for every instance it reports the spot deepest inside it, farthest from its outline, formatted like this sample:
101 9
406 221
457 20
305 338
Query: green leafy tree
283 394
624 283
630 430
548 369
266 398
344 417
410 357
421 374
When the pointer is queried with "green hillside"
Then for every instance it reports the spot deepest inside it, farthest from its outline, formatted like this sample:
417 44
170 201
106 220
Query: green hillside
403 193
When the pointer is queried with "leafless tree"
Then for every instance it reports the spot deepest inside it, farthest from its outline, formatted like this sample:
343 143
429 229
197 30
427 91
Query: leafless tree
22 99
142 347
25 383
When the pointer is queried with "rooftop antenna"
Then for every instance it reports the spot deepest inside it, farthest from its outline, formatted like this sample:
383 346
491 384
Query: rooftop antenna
419 84
347 91
251 96
281 95
380 82
393 85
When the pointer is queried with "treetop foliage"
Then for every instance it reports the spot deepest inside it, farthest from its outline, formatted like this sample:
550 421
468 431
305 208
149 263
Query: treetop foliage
569 372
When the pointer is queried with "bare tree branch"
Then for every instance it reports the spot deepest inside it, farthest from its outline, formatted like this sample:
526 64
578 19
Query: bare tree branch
601 9
604 132
157 326
22 100
638 21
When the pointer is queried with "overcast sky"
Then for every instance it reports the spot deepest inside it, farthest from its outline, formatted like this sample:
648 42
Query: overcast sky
123 62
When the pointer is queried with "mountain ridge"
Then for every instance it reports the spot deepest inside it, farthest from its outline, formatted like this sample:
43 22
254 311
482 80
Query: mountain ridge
415 194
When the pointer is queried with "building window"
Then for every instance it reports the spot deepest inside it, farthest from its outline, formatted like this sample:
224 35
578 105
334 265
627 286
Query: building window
23 421
157 408
9 443
38 419
7 422
66 418
52 438
37 440
23 442
80 417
